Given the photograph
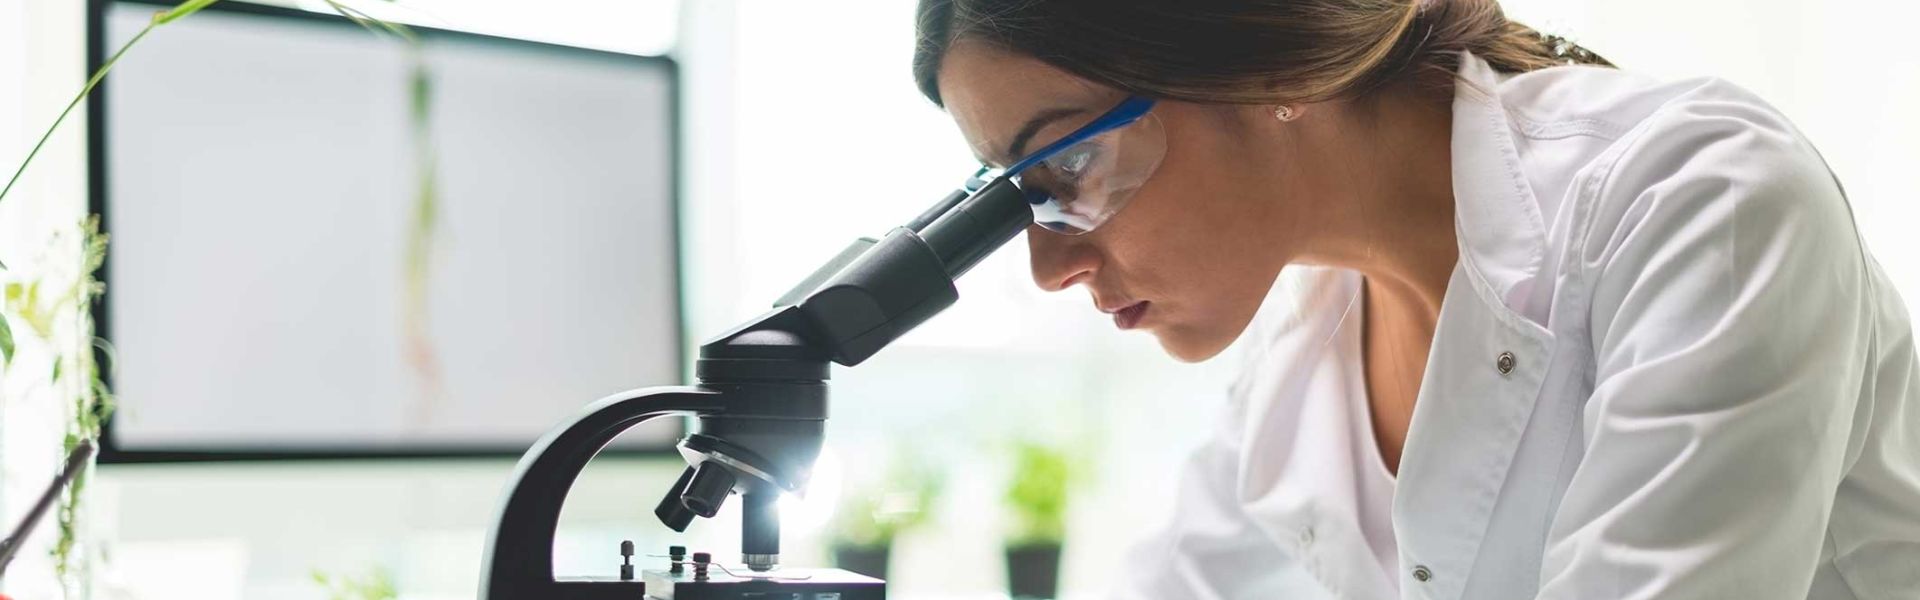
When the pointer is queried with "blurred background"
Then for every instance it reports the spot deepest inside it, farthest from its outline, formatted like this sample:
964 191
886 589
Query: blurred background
799 130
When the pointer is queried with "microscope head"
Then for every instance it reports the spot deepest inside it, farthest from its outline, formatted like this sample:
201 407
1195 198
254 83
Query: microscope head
762 439
773 370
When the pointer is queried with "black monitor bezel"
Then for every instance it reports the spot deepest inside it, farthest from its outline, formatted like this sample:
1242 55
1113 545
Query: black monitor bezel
98 135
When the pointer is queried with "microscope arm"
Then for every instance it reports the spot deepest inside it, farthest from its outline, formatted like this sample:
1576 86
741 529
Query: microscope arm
519 561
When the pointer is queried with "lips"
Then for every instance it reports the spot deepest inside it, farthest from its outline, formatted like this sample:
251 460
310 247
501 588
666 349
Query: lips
1129 317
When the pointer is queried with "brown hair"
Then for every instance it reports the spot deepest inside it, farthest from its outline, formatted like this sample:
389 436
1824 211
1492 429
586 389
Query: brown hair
1244 51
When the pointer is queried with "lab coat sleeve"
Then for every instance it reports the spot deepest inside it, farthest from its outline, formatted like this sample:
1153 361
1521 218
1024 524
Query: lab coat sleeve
1729 336
1211 549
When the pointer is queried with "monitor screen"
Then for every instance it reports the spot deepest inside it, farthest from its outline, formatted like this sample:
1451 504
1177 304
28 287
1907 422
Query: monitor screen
312 253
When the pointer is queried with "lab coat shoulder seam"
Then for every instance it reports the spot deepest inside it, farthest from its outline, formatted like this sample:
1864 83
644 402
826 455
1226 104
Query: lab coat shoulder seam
1578 258
1784 152
1602 179
1558 129
1601 183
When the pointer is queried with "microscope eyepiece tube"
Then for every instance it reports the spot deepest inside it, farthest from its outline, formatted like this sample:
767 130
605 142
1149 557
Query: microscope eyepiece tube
938 210
977 226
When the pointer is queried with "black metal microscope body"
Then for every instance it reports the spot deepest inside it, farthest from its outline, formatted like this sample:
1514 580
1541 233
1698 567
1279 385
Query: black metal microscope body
760 402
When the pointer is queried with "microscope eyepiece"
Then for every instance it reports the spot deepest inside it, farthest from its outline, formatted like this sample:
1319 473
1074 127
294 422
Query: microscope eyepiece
973 228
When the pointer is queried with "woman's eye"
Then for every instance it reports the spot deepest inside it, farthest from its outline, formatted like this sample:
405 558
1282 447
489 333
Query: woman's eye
1073 163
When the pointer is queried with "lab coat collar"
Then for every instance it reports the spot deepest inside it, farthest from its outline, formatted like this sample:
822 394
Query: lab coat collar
1503 238
1450 480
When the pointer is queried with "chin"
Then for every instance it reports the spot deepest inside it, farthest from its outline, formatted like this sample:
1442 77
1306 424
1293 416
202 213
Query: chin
1190 346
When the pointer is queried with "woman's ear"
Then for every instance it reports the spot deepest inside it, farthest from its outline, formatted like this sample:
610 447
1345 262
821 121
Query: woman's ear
1287 112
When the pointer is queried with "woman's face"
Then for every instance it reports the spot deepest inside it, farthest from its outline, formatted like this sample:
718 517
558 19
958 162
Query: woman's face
1193 253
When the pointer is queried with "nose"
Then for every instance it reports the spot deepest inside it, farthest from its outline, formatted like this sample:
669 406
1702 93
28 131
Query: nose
1060 261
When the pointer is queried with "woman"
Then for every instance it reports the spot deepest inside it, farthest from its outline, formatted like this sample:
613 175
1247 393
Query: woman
1548 329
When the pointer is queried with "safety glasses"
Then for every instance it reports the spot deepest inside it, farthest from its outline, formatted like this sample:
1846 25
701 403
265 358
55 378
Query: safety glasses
1082 179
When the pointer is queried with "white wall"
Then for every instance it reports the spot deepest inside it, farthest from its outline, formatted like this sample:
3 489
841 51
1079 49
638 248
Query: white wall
41 62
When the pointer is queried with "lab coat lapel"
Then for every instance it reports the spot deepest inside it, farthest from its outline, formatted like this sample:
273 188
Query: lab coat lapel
1304 494
1487 363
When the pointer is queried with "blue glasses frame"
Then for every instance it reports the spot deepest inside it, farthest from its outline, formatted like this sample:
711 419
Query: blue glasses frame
1121 115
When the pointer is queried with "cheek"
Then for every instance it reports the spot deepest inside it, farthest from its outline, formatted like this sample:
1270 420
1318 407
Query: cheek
1188 231
1204 195
1194 265
1201 243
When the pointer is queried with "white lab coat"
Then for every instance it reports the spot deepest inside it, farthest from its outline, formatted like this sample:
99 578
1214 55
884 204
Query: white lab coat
1711 389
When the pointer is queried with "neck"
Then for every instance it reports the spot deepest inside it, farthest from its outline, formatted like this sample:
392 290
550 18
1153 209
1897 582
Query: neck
1392 218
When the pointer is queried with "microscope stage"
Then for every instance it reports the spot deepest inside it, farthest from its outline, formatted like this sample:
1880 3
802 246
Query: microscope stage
783 584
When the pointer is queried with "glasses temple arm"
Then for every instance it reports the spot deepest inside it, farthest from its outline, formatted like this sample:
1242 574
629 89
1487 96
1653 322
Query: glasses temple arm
1119 116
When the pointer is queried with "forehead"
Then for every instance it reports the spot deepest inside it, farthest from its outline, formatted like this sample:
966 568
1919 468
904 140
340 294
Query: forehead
991 93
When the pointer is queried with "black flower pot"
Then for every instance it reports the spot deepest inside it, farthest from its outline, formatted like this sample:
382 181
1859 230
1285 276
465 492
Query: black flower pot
1033 571
865 560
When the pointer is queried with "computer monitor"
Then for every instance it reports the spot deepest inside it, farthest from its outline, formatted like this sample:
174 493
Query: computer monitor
302 265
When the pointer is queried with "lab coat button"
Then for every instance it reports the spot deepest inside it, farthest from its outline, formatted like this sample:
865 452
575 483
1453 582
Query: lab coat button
1306 536
1421 574
1504 363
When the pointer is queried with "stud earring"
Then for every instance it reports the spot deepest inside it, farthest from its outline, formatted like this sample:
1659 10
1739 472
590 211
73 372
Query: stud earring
1284 113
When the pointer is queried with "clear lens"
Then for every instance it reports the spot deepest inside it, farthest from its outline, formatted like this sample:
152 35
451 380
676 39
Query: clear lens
1081 187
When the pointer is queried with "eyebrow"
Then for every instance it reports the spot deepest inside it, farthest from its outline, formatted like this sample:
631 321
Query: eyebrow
1018 147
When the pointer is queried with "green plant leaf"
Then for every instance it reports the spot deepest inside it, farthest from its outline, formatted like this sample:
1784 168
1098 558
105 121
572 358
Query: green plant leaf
1039 492
184 9
6 342
377 585
371 23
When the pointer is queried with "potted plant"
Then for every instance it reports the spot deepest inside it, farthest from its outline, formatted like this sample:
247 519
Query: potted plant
871 516
1037 496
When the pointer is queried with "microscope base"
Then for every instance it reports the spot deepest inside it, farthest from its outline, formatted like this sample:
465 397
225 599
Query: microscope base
784 584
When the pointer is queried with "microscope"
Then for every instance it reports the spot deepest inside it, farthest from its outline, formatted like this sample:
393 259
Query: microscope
760 406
